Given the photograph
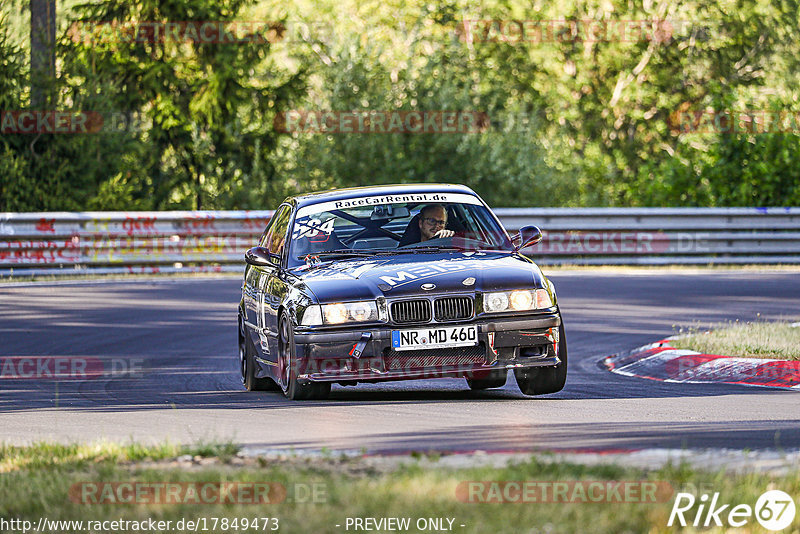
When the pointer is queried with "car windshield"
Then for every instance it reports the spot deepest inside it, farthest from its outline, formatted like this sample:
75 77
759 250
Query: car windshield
394 224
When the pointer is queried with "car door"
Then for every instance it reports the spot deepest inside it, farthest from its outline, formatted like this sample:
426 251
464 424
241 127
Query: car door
250 297
256 291
275 285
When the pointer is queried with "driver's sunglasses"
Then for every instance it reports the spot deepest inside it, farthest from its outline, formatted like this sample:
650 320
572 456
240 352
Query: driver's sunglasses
434 222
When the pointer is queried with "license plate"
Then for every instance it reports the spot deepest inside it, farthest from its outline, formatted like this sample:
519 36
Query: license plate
438 337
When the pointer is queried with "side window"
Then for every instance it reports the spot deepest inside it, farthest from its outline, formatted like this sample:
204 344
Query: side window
275 235
263 238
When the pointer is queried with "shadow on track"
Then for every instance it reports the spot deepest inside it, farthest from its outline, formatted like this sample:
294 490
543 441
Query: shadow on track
592 437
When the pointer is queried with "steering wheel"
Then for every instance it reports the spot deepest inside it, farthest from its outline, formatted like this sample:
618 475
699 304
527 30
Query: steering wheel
437 241
456 240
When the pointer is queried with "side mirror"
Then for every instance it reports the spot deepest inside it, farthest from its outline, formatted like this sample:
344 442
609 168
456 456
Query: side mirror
261 257
527 236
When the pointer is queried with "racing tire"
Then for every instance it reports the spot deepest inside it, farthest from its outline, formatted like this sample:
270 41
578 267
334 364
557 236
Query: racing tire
544 380
288 368
493 379
247 365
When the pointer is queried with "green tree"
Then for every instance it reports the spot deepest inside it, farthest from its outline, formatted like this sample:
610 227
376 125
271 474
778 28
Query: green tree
188 124
431 71
209 106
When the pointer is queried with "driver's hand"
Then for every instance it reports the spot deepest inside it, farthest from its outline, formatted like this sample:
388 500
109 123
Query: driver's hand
444 233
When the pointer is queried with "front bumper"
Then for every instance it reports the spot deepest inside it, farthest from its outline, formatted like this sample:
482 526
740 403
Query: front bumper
503 343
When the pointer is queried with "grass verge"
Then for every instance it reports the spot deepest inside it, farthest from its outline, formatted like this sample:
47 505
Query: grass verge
319 494
49 455
778 340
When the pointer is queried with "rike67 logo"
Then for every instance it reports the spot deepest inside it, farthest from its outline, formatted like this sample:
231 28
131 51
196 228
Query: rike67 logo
774 510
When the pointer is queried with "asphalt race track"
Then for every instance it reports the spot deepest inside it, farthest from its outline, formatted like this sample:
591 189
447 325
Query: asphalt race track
182 334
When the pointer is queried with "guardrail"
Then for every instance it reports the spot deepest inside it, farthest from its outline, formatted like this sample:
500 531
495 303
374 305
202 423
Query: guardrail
34 244
661 236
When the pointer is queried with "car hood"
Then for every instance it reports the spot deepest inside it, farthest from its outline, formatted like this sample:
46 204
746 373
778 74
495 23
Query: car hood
418 274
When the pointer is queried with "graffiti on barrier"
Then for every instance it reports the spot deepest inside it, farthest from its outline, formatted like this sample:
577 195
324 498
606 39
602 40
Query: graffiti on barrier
132 225
46 225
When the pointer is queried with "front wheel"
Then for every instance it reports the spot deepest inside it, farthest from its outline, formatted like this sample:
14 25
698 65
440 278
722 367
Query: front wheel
247 365
288 368
543 380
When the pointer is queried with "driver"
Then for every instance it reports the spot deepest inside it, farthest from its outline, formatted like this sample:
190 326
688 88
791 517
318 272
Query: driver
433 222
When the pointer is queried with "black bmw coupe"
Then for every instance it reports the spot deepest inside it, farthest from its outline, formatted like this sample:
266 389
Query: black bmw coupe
396 282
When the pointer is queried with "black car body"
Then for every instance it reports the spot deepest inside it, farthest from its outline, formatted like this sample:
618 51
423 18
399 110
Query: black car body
341 289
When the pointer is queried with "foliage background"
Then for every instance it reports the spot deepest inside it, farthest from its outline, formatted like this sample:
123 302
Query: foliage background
573 122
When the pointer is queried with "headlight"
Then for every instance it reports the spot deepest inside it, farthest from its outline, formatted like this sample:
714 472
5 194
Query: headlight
335 313
360 311
350 312
340 312
521 300
518 300
495 302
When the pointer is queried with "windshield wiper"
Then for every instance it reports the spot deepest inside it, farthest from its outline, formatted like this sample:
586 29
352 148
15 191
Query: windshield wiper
429 248
451 248
343 252
369 252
